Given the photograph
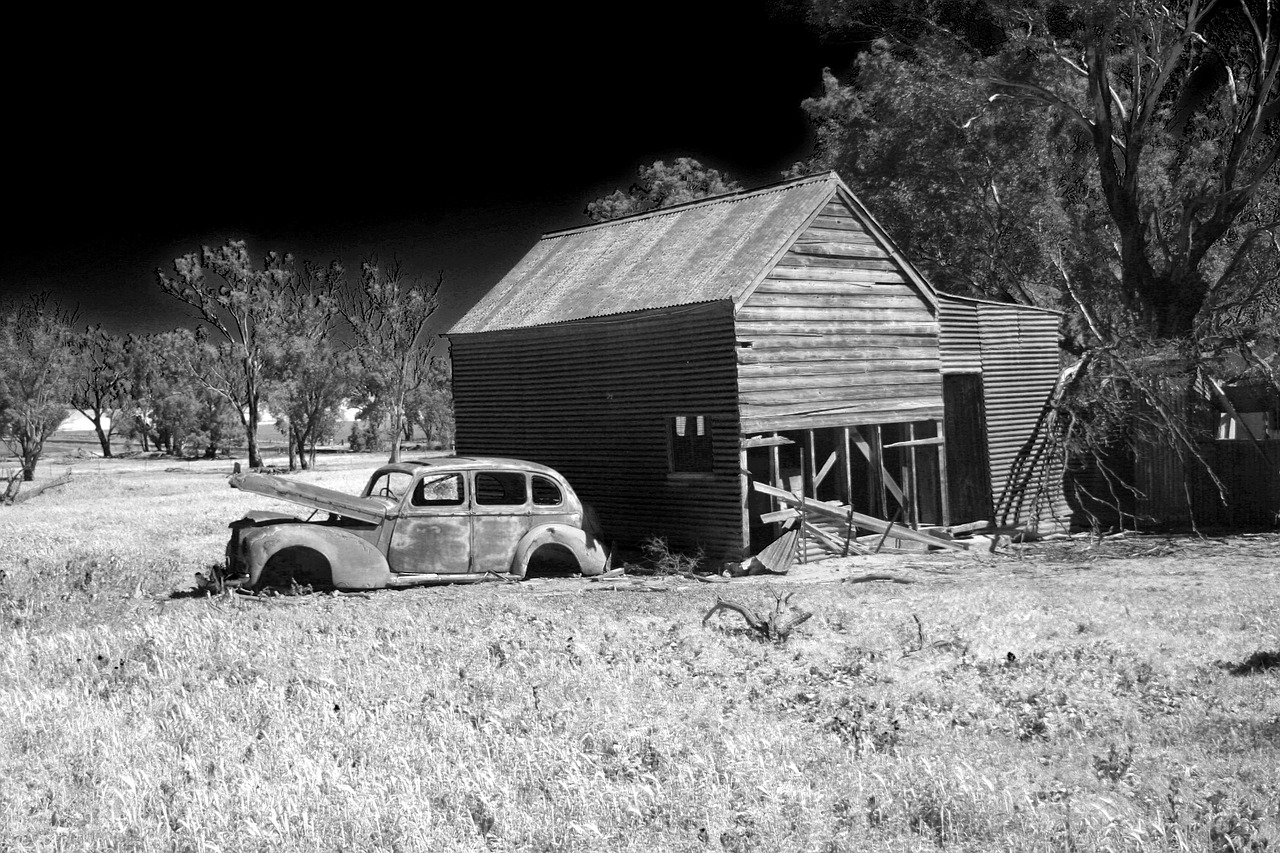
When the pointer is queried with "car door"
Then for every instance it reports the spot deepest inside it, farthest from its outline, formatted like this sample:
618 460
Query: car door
433 532
501 505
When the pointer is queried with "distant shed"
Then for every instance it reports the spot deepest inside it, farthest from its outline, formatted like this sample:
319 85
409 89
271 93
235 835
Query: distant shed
664 361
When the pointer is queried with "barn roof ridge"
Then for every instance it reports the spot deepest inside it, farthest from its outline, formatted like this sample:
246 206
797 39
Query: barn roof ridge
722 198
708 250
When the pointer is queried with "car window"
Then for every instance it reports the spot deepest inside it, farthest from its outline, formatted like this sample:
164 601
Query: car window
392 484
440 490
546 492
500 488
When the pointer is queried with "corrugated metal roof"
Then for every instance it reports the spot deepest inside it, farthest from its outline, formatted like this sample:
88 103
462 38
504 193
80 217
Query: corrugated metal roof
699 252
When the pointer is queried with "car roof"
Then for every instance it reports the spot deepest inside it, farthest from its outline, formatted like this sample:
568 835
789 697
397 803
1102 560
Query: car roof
470 463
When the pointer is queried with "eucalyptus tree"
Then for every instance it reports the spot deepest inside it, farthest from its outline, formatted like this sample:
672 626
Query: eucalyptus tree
661 185
101 381
236 301
37 363
388 315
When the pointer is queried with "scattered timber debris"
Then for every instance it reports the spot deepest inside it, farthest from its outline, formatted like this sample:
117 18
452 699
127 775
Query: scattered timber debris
13 495
805 507
775 626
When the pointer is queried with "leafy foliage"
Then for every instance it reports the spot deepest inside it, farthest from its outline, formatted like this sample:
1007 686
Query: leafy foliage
237 300
388 316
36 368
659 185
101 381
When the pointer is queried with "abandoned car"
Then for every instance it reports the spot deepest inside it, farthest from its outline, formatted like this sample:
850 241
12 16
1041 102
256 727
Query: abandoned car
442 520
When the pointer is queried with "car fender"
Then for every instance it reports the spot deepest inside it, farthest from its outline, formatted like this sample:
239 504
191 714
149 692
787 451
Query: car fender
587 550
352 562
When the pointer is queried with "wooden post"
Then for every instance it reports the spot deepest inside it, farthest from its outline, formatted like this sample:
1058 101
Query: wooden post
848 467
876 483
745 477
812 480
914 515
942 476
804 517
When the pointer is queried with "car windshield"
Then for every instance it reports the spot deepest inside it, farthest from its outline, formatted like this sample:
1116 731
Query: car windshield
389 484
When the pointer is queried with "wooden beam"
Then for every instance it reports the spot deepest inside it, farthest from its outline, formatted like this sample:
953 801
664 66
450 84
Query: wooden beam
942 475
824 539
915 442
779 516
867 522
764 441
826 469
813 464
869 452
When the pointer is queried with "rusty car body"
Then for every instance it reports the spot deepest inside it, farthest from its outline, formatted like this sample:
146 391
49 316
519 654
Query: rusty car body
439 520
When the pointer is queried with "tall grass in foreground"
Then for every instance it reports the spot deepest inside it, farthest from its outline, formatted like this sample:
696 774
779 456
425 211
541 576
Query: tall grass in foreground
547 718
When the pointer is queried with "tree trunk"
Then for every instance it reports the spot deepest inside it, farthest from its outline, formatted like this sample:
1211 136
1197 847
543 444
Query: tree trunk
104 436
251 433
289 436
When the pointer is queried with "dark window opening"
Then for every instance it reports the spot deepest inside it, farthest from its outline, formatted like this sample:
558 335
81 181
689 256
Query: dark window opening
690 437
545 492
500 488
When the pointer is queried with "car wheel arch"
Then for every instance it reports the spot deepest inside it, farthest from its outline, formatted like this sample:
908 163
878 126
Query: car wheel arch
352 562
586 550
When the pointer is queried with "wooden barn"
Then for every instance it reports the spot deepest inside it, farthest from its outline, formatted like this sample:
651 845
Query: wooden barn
667 361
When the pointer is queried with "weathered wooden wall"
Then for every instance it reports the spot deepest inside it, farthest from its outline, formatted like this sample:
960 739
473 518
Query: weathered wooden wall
591 399
835 335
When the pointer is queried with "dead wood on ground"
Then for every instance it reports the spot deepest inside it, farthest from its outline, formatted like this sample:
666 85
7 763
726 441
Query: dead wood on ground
776 625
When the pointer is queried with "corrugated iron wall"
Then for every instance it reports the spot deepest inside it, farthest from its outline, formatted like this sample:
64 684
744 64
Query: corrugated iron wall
1020 368
959 341
591 398
1174 492
835 335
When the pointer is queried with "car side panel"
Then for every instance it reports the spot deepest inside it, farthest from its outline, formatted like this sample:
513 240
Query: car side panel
352 562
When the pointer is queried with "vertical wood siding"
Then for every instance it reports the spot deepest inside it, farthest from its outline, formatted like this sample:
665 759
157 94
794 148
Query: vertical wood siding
591 399
835 335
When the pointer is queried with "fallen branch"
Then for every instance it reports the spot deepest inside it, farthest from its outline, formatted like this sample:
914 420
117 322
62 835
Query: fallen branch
870 578
13 496
775 626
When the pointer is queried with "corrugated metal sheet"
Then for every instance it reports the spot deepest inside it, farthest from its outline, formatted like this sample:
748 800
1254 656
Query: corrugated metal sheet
591 398
1020 369
702 252
959 340
1176 492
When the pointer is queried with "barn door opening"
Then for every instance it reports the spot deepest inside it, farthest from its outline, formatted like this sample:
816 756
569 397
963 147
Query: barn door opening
968 465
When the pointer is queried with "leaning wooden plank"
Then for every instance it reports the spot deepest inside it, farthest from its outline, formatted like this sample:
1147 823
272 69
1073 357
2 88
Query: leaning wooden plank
780 515
824 539
864 521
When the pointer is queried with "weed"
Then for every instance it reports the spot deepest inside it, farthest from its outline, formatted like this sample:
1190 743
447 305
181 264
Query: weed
661 560
1115 765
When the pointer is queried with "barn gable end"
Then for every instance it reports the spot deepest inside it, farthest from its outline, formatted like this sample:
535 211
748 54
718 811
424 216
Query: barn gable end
837 332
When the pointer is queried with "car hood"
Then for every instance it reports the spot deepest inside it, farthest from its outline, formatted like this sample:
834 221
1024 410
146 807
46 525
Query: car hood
370 510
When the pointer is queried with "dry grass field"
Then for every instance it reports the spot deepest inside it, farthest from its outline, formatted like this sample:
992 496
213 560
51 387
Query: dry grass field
1066 697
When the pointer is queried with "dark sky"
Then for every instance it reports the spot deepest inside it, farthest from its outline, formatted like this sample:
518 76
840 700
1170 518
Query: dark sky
450 142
